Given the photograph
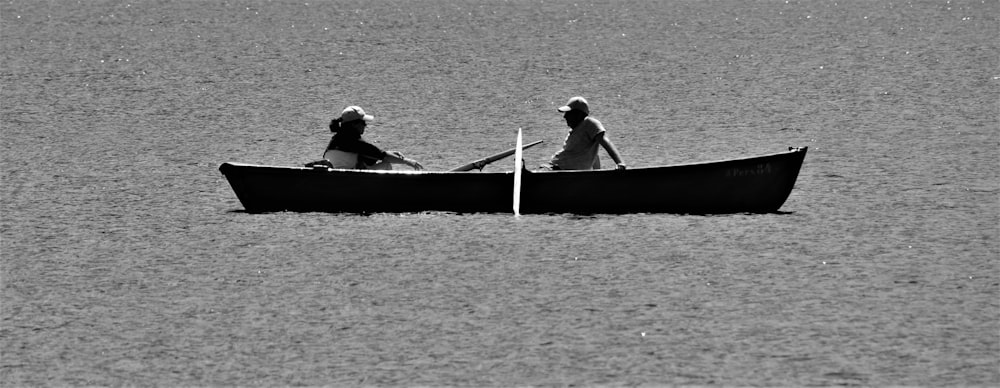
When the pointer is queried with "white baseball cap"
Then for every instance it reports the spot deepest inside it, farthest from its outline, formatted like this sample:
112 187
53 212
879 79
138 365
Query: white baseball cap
352 113
576 103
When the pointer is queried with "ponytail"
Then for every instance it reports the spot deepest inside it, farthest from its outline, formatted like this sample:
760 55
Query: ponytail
335 125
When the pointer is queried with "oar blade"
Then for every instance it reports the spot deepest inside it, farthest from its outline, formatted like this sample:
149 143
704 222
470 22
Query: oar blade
518 166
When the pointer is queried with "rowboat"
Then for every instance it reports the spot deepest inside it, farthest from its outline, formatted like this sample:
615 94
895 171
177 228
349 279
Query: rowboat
758 184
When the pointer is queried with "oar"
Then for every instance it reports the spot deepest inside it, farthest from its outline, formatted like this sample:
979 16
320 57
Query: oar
490 159
518 165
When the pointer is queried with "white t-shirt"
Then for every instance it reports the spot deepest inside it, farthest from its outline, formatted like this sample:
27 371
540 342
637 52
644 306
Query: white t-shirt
580 148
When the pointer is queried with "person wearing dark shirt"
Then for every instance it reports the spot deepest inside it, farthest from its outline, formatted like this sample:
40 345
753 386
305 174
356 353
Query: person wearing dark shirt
348 150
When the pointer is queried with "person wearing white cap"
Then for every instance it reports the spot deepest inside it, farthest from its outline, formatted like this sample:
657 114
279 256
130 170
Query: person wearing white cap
579 151
347 149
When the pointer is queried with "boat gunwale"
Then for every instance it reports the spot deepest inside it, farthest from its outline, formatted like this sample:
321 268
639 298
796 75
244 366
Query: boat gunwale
792 150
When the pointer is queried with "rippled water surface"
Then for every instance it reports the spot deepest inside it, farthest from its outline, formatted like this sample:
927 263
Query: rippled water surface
127 259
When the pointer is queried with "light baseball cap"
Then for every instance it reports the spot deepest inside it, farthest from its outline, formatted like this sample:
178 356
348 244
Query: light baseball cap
352 113
576 103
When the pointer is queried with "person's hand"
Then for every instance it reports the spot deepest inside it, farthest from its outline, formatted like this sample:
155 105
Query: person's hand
621 167
413 163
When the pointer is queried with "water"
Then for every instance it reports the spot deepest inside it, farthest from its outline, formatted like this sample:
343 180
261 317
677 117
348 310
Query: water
127 259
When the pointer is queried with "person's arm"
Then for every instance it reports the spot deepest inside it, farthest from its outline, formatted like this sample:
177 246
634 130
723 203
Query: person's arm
371 151
397 158
610 148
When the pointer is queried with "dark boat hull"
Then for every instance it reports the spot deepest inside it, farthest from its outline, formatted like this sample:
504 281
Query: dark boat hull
755 185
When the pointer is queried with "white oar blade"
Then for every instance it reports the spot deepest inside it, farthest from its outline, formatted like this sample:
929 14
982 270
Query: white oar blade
517 175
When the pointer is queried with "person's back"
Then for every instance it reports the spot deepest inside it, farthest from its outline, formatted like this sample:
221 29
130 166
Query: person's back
342 159
347 149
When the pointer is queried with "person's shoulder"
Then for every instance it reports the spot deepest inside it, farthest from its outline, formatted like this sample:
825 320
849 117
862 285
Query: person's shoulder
374 149
594 123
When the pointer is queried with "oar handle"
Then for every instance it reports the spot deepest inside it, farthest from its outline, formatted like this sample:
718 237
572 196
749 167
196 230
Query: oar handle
492 158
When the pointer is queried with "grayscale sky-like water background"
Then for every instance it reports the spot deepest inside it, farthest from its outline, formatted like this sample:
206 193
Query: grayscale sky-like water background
126 258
